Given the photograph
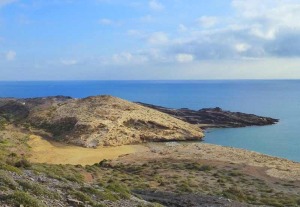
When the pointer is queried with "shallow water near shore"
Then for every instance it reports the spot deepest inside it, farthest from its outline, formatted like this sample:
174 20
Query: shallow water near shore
274 98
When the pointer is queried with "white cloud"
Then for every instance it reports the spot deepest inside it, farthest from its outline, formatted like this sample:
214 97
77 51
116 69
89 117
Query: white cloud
242 47
184 58
6 2
10 55
207 21
257 29
264 33
156 5
127 58
269 14
158 38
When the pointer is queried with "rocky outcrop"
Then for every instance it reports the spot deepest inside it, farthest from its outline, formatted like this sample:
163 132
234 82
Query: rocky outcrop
215 117
96 121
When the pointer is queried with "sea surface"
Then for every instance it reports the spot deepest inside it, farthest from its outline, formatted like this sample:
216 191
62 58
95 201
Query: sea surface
275 98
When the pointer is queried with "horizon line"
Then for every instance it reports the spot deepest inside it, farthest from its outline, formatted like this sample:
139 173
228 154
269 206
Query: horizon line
235 79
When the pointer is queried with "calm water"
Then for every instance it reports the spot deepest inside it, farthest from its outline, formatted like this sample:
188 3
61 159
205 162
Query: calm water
278 99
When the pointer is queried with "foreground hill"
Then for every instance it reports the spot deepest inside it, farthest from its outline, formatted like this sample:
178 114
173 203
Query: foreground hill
96 121
102 184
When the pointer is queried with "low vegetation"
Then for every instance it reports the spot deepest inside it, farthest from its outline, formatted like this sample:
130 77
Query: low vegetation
38 185
27 184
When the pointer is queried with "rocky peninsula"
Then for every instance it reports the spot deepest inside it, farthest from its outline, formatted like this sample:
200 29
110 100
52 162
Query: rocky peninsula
215 117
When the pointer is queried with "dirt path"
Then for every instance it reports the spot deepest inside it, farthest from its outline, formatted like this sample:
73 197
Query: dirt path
44 151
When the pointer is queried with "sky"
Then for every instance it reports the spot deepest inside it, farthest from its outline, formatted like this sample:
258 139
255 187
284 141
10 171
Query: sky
149 39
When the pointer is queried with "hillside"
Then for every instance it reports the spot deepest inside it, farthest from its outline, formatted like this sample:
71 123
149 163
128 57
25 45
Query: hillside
95 121
102 184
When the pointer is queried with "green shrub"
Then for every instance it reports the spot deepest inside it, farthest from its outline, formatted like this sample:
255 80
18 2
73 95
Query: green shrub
23 163
111 193
59 172
235 174
184 187
196 166
3 122
7 180
109 196
235 194
82 196
19 198
103 163
10 168
38 189
205 168
120 189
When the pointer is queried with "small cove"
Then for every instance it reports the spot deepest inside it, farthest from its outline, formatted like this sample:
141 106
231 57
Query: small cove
274 98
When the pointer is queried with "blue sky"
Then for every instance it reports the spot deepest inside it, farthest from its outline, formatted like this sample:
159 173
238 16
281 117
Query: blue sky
149 39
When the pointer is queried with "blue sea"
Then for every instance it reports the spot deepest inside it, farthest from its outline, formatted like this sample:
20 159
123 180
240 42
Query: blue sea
275 98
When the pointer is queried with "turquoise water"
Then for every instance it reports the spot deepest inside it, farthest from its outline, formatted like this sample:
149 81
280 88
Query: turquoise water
278 99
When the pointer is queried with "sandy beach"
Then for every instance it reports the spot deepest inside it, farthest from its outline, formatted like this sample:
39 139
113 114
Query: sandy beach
44 151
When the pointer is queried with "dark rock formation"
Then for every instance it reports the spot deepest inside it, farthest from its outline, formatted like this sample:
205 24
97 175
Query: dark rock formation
215 117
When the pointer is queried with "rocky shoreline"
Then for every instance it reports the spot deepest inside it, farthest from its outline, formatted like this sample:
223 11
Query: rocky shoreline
215 117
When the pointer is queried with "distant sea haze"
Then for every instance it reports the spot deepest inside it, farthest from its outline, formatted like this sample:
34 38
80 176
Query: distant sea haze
275 98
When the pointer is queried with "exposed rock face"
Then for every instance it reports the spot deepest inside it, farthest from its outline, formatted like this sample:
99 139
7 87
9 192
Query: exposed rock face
98 120
215 117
